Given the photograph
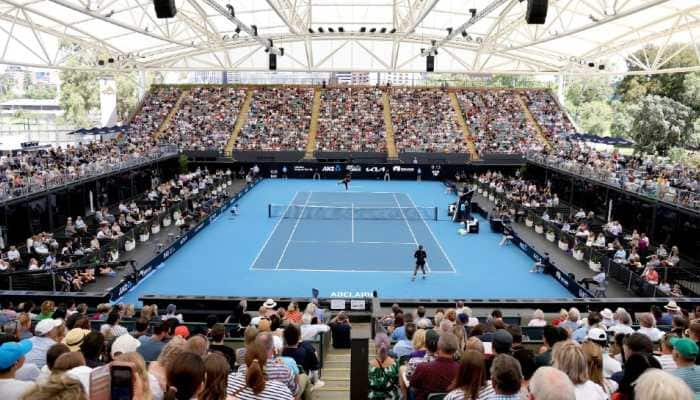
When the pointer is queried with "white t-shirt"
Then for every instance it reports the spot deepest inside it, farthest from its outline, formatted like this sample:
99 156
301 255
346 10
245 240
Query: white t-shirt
610 365
13 389
590 391
654 334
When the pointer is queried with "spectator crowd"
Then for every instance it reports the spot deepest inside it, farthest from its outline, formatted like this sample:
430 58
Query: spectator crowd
351 119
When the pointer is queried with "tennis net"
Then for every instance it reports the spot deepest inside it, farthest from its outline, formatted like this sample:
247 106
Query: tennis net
298 211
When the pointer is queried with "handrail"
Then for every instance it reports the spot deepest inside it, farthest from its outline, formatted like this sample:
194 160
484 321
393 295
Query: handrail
92 171
680 197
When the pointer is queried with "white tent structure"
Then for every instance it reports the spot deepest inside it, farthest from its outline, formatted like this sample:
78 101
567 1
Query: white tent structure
486 36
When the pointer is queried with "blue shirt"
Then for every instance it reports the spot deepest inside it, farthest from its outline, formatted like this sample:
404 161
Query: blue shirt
691 376
580 334
403 348
399 333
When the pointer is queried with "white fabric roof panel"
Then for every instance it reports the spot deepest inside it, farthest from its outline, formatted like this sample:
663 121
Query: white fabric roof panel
201 37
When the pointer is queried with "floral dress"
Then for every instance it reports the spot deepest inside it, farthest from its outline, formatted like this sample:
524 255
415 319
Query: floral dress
384 381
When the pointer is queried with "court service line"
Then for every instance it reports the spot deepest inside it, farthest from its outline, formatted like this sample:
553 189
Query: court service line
291 235
427 266
355 270
352 223
274 229
431 233
348 242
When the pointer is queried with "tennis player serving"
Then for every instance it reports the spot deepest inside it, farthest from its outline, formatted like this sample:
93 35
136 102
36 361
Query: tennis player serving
420 255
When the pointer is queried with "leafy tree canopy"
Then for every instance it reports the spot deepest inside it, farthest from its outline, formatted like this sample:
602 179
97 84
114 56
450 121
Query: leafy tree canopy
661 123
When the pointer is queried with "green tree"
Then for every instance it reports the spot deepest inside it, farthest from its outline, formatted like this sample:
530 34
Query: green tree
583 90
7 84
127 94
661 123
595 117
41 91
622 117
691 93
79 88
634 87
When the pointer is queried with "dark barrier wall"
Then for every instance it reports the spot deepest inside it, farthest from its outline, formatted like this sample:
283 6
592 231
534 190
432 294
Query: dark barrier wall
48 211
125 285
661 221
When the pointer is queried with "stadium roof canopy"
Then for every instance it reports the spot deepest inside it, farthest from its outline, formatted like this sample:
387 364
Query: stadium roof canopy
377 35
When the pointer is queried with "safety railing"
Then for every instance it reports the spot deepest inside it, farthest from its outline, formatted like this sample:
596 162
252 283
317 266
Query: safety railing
672 195
86 171
597 258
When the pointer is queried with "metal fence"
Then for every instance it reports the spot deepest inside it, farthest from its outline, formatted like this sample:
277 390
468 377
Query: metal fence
679 197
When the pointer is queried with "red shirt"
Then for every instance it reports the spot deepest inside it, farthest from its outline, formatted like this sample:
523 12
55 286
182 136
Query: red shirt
433 377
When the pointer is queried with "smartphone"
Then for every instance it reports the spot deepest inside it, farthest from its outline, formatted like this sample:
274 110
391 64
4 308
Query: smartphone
121 380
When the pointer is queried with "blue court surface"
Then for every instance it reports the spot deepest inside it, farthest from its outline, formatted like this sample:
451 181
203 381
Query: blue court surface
294 235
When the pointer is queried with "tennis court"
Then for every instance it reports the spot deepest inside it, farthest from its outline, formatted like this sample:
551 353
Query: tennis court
350 231
294 235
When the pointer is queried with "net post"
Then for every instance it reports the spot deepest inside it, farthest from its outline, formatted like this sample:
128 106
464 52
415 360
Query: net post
269 211
436 213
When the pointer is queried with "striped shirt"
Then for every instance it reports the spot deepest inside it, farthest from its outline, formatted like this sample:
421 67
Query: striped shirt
691 376
667 363
276 370
274 390
486 393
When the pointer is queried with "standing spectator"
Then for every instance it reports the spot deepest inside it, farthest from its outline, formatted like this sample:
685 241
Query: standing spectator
340 331
437 376
470 382
383 371
570 359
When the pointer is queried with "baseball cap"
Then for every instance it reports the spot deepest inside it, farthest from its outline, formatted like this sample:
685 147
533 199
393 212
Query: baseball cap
125 344
10 352
685 347
74 338
46 325
502 341
597 334
182 331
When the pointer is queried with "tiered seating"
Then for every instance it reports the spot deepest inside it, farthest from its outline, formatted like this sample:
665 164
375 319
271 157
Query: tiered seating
424 121
497 121
279 119
351 119
206 118
156 107
548 114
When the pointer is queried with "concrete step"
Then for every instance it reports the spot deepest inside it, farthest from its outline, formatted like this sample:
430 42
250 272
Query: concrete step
328 395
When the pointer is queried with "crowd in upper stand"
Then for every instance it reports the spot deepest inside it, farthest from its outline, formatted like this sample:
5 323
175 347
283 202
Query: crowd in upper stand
351 119
545 109
677 182
278 120
497 121
425 121
206 118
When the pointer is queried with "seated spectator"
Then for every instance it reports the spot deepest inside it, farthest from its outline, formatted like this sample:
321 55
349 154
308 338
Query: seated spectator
218 332
470 382
302 352
506 377
404 347
152 346
93 348
170 312
61 386
47 333
549 383
217 369
251 382
436 376
655 384
185 377
383 371
537 319
685 352
12 358
636 365
351 119
570 359
647 326
406 371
